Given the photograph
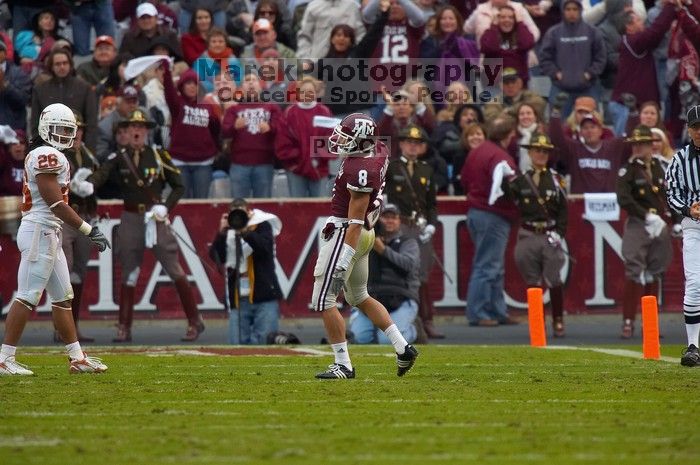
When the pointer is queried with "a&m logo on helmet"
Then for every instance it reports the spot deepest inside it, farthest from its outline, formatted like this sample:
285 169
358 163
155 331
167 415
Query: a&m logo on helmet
363 127
354 134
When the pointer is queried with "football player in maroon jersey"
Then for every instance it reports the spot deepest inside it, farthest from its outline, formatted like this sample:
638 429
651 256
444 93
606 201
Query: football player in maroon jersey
348 238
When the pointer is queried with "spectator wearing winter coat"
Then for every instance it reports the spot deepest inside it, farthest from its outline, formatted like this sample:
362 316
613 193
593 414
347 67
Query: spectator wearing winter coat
610 28
508 40
514 93
399 113
252 125
96 70
194 41
139 40
573 56
483 18
240 16
448 44
270 10
32 45
15 92
127 101
343 45
217 58
636 72
447 139
319 19
265 37
66 88
194 135
188 9
301 126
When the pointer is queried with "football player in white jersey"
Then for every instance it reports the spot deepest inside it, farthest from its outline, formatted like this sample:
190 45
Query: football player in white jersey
43 265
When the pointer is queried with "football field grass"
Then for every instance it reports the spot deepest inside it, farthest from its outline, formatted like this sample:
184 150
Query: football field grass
460 404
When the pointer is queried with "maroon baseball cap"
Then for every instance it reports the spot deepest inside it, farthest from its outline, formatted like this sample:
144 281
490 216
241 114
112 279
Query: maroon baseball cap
128 93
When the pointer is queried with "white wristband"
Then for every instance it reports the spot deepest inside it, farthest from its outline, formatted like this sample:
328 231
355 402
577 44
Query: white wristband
85 228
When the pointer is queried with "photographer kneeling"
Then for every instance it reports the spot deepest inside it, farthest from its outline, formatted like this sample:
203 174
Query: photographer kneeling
245 243
393 280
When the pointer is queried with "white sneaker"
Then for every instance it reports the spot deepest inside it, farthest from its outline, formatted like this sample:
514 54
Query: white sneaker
12 367
87 365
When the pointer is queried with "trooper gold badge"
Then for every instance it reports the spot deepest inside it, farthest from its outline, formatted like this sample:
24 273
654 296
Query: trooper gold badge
655 189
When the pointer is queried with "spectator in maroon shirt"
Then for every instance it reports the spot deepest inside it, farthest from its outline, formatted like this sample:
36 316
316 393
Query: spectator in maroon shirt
194 134
194 42
252 125
305 161
12 164
489 221
636 71
509 40
592 163
584 106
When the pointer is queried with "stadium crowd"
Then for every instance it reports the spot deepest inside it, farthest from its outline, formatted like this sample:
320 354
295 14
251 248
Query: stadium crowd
583 73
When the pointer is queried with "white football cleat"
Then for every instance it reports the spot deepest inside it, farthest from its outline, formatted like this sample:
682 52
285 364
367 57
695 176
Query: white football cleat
87 365
12 367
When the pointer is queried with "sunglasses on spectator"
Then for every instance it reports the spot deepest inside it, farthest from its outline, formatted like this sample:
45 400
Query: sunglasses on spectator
267 13
656 140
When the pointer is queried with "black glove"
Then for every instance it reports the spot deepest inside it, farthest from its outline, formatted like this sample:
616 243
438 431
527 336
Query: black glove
99 239
560 100
629 100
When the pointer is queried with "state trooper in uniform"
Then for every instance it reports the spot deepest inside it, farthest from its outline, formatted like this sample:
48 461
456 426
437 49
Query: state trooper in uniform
646 242
76 246
144 173
410 186
542 203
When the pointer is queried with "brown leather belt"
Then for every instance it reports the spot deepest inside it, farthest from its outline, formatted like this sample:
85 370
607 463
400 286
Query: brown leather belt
136 207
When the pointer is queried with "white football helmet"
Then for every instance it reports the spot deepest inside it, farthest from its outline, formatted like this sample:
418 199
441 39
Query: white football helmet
57 126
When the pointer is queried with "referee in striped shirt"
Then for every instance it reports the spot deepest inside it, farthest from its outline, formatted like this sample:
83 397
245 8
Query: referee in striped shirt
683 181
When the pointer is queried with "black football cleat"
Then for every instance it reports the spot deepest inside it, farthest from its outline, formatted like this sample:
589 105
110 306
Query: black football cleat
406 360
336 371
691 357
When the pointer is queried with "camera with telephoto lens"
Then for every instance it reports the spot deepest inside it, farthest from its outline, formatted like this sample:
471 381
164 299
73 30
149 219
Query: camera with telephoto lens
238 214
238 218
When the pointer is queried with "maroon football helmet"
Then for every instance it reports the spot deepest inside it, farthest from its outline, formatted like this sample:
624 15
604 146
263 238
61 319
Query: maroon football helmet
356 133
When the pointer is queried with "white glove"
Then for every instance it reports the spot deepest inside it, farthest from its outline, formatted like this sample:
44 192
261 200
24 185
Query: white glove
82 174
654 225
159 212
338 279
554 238
677 231
82 188
79 186
427 234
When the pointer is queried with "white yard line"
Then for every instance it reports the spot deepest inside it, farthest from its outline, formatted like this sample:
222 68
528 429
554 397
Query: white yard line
617 352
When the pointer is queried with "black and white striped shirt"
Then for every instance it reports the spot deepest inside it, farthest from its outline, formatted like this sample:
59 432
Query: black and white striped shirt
683 180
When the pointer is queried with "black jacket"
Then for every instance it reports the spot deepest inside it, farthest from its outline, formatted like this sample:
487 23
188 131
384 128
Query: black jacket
393 276
263 280
14 97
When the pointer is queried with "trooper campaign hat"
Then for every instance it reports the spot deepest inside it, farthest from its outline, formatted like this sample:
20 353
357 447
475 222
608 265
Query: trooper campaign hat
539 141
413 132
137 116
640 134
